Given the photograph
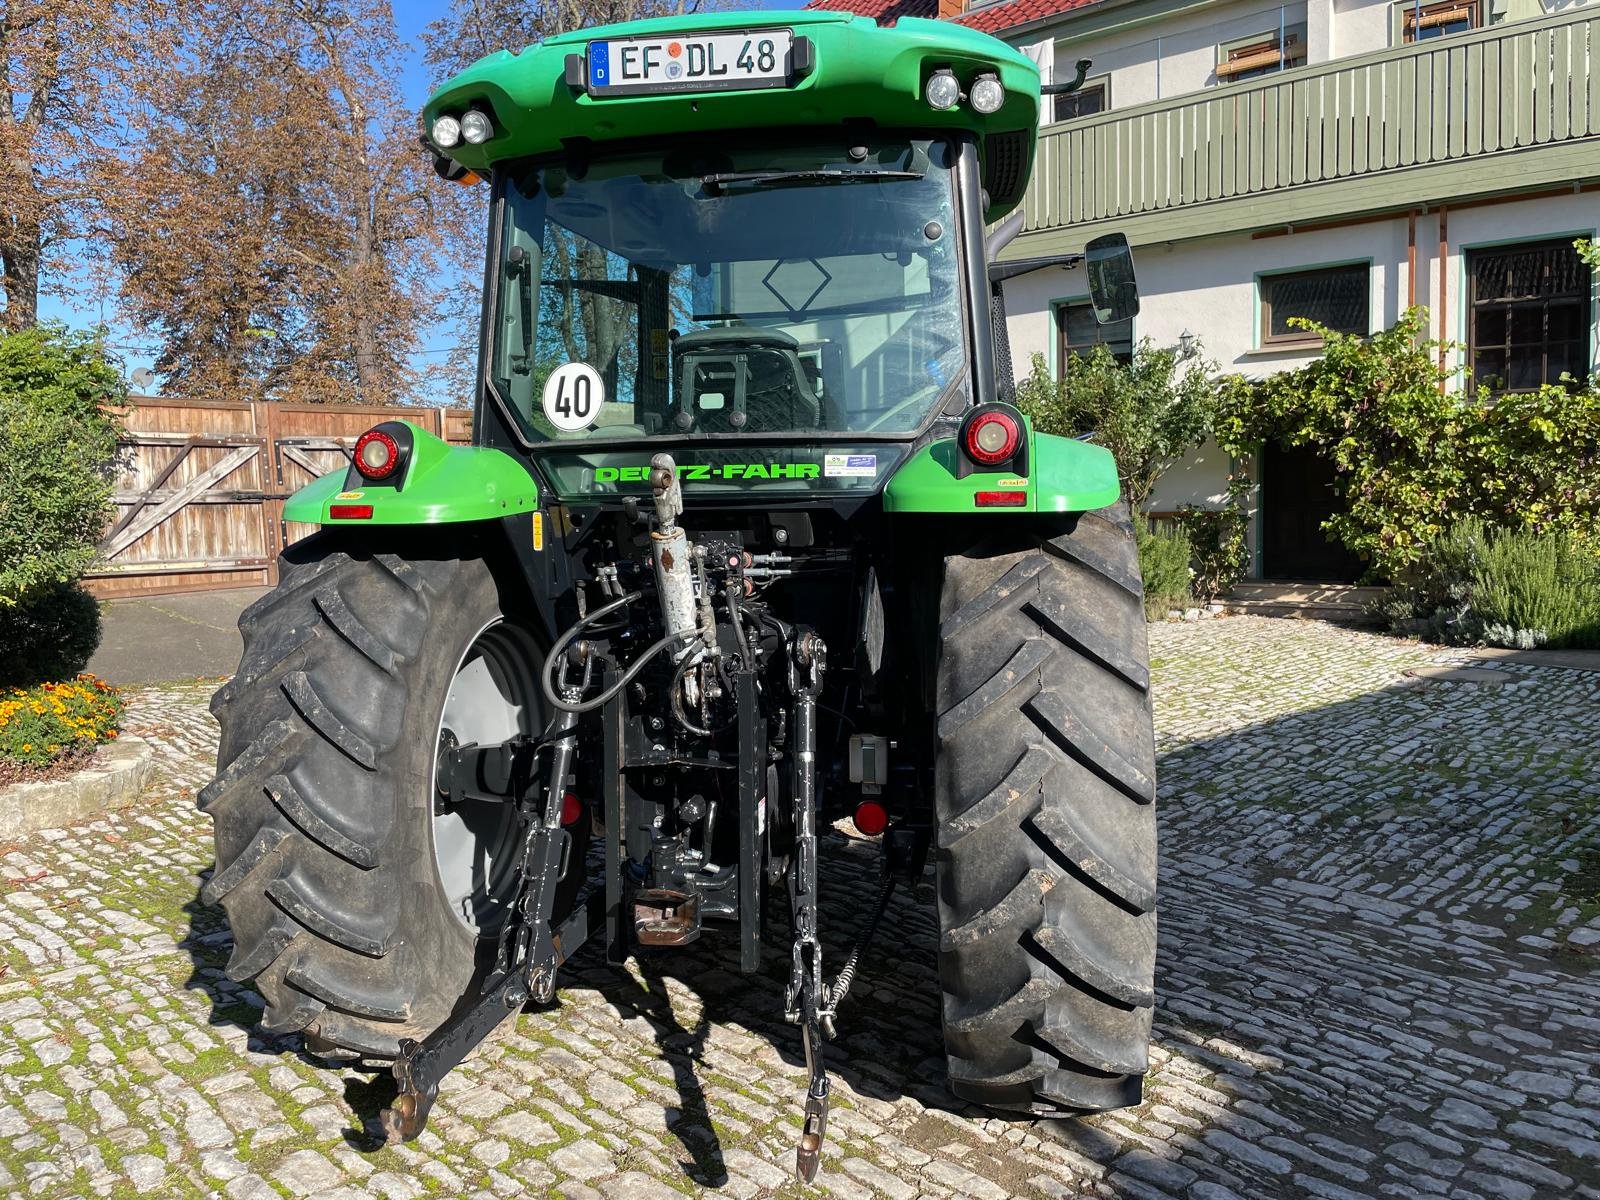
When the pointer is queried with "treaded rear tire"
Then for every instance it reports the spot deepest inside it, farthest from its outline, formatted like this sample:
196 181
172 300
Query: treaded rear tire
323 799
1046 813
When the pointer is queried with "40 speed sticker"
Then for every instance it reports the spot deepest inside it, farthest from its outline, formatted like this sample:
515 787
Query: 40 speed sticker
573 395
693 471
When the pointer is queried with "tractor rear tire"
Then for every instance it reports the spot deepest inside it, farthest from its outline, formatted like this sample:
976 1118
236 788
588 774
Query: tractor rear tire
1045 785
324 800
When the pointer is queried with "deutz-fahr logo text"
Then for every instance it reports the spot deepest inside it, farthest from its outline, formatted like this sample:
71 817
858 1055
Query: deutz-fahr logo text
692 471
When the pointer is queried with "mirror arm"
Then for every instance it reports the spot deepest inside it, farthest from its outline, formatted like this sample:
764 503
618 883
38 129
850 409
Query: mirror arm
1001 235
999 272
1061 89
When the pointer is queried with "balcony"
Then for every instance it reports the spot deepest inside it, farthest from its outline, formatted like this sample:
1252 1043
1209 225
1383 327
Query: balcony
1510 108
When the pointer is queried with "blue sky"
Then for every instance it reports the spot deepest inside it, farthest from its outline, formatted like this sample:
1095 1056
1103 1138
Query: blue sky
411 17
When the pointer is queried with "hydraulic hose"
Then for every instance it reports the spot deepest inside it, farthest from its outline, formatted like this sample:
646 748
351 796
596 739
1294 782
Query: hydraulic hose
675 698
547 676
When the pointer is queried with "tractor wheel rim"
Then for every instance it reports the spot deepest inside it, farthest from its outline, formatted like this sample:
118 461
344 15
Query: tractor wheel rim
493 696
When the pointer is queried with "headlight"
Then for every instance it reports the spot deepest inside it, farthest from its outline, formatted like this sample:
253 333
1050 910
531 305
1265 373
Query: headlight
477 128
446 132
942 91
987 95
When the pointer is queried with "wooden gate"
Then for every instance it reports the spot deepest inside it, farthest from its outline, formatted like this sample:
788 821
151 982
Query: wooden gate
201 485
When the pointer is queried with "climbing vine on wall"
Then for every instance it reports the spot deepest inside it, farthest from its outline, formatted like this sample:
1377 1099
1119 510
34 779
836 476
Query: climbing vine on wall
1413 455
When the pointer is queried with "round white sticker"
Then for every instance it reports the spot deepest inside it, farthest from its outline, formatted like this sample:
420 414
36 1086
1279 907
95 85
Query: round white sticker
573 395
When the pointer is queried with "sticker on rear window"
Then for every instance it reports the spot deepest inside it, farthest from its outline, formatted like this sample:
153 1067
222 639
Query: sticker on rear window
573 395
850 466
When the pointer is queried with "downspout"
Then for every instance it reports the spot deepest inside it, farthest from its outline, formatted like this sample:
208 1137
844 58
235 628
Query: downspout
1411 259
1444 303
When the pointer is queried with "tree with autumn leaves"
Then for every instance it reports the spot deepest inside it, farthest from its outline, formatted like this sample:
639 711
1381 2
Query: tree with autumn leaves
244 181
63 88
275 231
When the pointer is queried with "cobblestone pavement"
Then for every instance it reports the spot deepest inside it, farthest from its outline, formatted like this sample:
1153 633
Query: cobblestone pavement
1378 976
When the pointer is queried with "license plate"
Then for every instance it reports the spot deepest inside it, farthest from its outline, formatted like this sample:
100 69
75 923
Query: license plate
704 62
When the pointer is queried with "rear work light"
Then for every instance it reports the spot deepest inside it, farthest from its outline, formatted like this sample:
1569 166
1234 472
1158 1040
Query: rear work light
1000 499
376 454
349 512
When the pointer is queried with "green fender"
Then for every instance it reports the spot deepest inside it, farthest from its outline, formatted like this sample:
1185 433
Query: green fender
1064 475
442 484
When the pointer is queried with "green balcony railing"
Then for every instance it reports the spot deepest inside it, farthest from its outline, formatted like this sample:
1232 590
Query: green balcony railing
1411 125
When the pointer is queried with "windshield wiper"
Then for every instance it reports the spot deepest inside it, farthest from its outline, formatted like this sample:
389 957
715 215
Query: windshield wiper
781 178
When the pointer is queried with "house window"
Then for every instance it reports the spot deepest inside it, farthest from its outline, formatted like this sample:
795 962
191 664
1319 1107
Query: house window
1085 102
1262 54
1338 297
1528 319
1419 22
1077 332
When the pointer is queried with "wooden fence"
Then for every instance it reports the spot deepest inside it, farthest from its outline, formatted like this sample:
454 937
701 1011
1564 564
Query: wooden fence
200 487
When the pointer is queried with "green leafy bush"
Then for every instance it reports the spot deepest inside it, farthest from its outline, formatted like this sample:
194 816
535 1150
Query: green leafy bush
1413 458
56 452
39 725
1221 553
1164 564
1534 589
1434 601
49 636
1149 414
1504 587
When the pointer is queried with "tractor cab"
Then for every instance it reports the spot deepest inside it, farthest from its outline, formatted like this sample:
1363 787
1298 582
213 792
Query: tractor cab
709 230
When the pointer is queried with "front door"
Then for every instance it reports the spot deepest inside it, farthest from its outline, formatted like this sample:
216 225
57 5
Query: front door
1297 496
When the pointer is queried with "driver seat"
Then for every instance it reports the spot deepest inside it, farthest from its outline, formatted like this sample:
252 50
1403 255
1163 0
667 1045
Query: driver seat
742 379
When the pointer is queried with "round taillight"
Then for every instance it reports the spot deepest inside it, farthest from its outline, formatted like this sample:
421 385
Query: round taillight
992 438
571 809
377 454
871 818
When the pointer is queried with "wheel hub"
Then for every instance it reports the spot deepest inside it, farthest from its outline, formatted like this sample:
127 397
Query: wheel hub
493 696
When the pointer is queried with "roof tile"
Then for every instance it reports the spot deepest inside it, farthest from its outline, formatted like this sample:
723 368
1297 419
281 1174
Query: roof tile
991 18
995 18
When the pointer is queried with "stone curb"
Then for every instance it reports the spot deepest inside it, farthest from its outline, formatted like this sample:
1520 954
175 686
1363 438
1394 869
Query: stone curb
113 779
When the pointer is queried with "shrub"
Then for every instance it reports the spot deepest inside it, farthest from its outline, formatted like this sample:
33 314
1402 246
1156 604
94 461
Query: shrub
39 725
1148 414
49 636
1532 589
1221 554
1164 564
56 452
1503 587
1434 600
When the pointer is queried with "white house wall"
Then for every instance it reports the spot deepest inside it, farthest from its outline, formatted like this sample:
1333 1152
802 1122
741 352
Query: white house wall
1359 27
1172 56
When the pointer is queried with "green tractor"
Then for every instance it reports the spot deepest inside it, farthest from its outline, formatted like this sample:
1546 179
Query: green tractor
751 538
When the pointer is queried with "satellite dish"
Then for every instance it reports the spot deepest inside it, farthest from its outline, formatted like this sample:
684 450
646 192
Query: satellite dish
142 378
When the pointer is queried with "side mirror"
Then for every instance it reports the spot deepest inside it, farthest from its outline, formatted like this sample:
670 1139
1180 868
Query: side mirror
1113 290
